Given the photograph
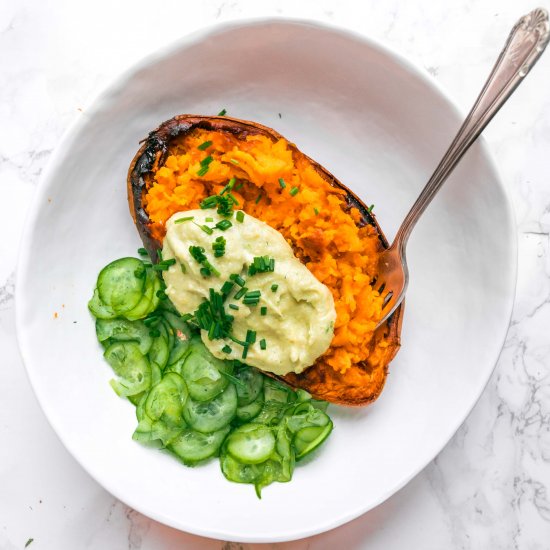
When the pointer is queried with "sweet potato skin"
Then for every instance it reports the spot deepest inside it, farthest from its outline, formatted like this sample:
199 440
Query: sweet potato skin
363 382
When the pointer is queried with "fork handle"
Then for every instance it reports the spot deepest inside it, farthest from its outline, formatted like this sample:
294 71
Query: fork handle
523 48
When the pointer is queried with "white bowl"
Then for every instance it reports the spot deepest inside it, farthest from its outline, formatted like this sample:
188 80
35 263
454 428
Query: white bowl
380 125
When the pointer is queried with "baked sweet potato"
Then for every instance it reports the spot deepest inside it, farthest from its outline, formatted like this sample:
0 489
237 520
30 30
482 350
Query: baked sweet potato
158 185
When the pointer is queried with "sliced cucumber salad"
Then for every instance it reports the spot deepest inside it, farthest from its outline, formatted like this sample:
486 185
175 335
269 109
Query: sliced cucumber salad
188 402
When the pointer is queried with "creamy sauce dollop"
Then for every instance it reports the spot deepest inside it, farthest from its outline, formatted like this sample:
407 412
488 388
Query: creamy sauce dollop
299 323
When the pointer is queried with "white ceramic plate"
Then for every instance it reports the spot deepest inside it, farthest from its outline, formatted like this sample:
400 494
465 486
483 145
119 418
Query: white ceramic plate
380 125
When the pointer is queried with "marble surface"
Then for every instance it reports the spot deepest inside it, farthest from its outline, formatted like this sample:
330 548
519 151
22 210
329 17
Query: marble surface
489 488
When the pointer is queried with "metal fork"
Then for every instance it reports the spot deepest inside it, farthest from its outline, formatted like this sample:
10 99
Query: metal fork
524 46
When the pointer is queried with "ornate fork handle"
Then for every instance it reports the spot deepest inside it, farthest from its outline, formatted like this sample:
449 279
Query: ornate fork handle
523 48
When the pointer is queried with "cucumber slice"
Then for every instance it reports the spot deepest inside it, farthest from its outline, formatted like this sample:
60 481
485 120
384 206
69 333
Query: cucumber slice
120 284
177 323
159 352
236 471
252 384
99 309
143 308
156 375
247 412
155 433
166 399
305 415
277 392
192 447
131 366
122 330
210 416
271 414
251 444
308 439
204 373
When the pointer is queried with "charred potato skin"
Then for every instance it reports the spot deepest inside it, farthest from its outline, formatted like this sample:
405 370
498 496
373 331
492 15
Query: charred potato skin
319 380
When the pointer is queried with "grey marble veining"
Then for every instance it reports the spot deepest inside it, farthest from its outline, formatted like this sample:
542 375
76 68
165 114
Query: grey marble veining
490 487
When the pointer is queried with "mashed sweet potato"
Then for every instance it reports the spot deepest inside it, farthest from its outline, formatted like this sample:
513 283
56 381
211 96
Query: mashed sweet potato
279 185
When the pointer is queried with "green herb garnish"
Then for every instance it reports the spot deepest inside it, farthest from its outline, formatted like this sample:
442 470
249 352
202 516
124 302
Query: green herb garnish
142 251
294 191
240 216
258 198
237 279
252 298
223 225
241 293
205 145
263 310
181 220
222 112
250 336
369 209
282 183
316 210
274 287
263 343
262 264
218 246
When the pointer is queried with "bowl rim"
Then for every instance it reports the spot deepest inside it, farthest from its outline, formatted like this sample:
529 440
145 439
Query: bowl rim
117 82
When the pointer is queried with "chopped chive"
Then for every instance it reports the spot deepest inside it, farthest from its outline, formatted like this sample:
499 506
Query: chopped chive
234 379
202 171
181 220
316 210
142 252
263 343
186 317
227 287
245 352
274 287
205 272
208 219
263 310
233 199
240 216
237 278
222 112
207 160
197 253
223 225
294 191
205 145
160 267
229 186
238 186
241 293
369 209
161 295
234 161
258 199
261 264
205 228
211 268
237 341
209 202
250 336
234 306
159 254
226 349
183 268
282 183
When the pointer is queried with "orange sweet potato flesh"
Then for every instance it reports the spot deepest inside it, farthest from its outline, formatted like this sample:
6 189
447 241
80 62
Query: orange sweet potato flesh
362 383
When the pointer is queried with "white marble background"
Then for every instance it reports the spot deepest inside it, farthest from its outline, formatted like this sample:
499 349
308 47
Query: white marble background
489 488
